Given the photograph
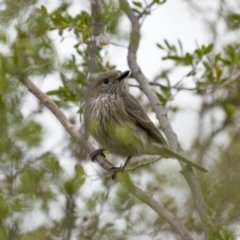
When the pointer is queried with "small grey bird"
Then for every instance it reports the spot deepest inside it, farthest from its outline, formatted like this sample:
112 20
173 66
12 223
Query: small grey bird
119 123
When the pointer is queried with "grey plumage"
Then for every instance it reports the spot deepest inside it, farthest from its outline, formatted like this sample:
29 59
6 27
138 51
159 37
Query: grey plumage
119 123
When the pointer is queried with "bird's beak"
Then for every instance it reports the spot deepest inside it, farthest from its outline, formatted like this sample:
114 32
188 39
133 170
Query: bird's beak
123 75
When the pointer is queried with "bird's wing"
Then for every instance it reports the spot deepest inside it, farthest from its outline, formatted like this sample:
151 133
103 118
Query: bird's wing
138 115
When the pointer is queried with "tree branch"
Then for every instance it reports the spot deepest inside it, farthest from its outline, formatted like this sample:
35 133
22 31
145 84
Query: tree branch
121 177
160 111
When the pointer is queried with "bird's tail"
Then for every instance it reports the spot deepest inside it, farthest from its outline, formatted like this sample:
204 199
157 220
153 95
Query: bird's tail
168 153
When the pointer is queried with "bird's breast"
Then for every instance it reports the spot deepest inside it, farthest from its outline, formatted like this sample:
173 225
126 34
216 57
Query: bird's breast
110 125
103 113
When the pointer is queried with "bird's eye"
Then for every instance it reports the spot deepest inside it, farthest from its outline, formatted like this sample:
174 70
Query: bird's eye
106 81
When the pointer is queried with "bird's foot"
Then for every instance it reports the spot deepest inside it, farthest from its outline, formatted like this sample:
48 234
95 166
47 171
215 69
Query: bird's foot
97 152
115 170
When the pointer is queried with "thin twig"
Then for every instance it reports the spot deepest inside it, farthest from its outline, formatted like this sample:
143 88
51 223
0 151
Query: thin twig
115 44
143 164
167 87
146 10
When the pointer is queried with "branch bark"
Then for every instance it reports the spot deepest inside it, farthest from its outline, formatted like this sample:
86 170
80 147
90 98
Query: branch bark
161 112
123 178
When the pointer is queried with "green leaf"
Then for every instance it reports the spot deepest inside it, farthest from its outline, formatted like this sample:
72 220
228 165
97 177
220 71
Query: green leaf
30 133
71 186
199 53
55 92
167 44
206 65
175 58
74 185
225 61
162 98
160 46
30 181
188 60
180 46
208 49
138 4
217 58
44 10
3 37
4 208
51 163
79 170
218 72
229 108
234 21
166 92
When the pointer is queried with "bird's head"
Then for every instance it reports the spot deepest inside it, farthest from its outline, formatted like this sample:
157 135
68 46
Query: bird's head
110 82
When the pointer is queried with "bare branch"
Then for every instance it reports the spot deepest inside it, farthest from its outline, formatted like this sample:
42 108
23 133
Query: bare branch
160 111
167 87
121 177
116 44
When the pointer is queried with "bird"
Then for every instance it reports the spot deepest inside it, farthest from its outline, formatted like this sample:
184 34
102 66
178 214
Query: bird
119 124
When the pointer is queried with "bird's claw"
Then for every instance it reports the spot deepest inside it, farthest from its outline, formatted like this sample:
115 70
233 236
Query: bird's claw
115 170
97 152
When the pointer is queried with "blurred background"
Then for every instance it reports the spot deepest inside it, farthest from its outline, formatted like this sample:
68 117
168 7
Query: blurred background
190 53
